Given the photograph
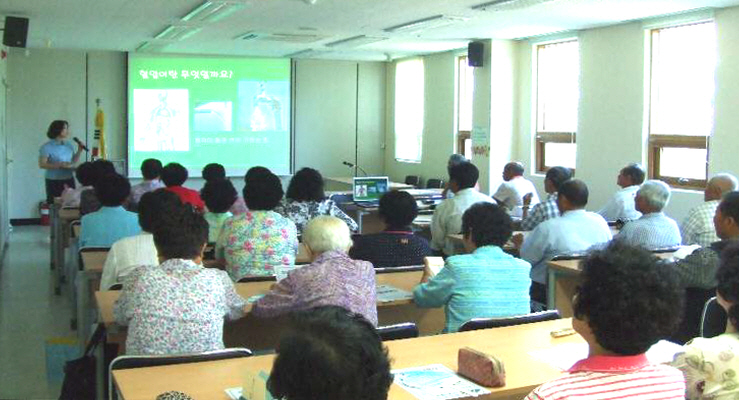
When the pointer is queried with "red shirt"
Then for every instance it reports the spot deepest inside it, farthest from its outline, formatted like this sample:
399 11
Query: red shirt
607 378
188 196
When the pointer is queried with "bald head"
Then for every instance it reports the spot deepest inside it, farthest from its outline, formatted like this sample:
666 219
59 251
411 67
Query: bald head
512 170
719 185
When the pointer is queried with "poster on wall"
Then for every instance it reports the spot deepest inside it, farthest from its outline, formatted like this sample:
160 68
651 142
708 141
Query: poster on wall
480 141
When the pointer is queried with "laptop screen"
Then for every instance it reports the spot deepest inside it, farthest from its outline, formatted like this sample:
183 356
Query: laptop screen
370 188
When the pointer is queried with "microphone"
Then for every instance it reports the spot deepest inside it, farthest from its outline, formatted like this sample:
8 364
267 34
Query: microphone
79 143
348 164
356 167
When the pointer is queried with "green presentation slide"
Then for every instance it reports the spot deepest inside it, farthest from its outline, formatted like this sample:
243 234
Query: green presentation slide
197 110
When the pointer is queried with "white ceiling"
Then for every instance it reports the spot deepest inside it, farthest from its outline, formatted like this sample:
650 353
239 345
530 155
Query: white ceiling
126 24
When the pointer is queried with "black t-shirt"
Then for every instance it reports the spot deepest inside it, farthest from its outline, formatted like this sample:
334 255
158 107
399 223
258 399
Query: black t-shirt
391 248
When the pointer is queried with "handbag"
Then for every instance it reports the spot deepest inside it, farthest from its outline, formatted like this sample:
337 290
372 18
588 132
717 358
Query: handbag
80 374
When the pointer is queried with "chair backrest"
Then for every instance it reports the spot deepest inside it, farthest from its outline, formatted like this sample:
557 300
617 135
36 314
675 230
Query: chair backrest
434 183
713 321
80 264
414 180
690 326
116 286
405 268
487 323
265 278
129 362
405 330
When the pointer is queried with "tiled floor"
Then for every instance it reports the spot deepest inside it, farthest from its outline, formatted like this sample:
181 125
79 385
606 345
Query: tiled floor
30 314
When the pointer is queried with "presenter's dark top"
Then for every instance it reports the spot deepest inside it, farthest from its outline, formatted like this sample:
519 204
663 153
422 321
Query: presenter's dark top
391 248
58 151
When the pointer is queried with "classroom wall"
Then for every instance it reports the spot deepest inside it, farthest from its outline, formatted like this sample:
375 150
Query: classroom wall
611 129
3 150
439 123
48 84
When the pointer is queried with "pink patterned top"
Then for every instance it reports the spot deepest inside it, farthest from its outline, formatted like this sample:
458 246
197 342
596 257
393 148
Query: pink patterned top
332 279
176 307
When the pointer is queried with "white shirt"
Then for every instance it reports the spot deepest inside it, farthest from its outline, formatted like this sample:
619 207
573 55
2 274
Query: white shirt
621 205
651 231
447 218
510 194
575 231
125 255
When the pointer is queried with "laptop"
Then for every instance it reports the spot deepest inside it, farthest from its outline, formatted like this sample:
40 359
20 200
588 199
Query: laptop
369 189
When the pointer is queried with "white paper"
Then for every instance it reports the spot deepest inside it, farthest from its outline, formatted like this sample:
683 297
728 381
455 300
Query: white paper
387 293
436 382
685 251
234 393
564 356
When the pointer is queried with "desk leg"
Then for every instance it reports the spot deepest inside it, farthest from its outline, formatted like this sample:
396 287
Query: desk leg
80 321
360 214
551 289
58 248
100 370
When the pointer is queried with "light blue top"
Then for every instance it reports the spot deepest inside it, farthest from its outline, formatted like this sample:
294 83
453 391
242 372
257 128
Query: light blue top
488 283
106 226
651 231
57 152
573 232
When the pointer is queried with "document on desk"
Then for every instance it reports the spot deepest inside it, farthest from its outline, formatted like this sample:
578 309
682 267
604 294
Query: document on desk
281 271
565 356
436 382
387 294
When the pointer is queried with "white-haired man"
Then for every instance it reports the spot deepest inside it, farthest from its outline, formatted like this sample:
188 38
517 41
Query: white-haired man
653 230
697 227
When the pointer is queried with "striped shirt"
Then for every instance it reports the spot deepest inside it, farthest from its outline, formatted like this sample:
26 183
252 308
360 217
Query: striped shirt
541 212
485 284
697 228
651 231
619 377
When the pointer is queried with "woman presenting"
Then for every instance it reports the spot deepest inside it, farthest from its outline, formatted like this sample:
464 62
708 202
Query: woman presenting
57 157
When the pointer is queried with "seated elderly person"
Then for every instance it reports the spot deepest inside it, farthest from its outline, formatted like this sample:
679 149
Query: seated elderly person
111 222
178 306
88 200
621 205
251 244
575 231
215 172
134 251
219 195
485 283
697 228
397 245
510 193
332 278
85 174
151 169
653 230
698 270
326 345
174 176
305 200
547 209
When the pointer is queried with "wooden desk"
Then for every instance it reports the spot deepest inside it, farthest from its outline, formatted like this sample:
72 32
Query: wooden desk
562 280
207 380
261 333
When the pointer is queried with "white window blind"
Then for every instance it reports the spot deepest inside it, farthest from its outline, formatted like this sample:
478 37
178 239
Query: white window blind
409 81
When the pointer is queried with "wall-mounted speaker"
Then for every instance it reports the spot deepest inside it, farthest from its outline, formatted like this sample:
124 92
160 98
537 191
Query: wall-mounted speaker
475 54
16 31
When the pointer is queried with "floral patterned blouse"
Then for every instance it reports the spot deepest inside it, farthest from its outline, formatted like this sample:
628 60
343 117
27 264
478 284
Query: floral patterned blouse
301 212
710 367
254 242
176 307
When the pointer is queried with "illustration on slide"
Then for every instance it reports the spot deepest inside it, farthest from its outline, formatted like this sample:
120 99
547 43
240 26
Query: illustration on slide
213 116
261 106
161 120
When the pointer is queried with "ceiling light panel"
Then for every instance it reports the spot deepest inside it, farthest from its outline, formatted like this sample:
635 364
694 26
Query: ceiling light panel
212 11
436 21
506 5
355 41
177 32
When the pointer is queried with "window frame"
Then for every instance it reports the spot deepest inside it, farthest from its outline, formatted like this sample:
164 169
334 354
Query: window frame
541 139
462 135
657 142
423 114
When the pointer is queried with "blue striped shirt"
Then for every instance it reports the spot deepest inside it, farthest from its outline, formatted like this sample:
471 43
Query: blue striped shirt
488 283
651 231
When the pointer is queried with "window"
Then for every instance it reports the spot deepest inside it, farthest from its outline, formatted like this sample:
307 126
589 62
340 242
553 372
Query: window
681 109
409 110
557 96
465 87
